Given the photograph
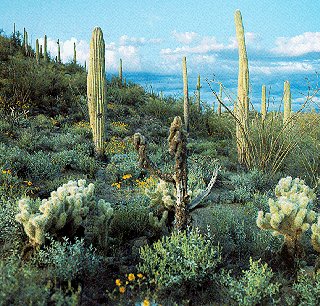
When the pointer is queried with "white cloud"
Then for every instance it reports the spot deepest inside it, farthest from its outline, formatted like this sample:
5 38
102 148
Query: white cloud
282 67
298 45
185 38
137 41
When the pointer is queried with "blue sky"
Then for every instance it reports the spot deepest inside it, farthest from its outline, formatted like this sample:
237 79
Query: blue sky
283 37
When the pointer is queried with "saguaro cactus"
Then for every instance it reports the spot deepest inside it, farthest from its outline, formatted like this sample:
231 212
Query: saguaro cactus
59 53
25 41
96 90
220 99
242 105
264 103
40 51
286 102
37 52
74 53
198 94
120 71
185 94
45 51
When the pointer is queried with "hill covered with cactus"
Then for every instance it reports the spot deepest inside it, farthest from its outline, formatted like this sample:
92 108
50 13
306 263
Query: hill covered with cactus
111 195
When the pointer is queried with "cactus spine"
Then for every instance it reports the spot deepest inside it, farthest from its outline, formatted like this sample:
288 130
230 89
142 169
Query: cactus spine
198 94
220 98
120 71
242 105
74 53
96 90
59 54
264 103
45 51
37 52
185 94
286 102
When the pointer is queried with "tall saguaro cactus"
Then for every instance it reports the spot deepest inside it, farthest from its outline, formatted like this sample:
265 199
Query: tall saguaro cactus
185 94
59 53
96 90
37 52
198 94
242 105
25 41
286 102
74 53
120 71
45 50
264 103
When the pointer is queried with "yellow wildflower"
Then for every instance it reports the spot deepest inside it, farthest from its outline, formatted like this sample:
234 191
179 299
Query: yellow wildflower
122 289
127 176
4 171
118 282
146 303
29 183
140 275
131 277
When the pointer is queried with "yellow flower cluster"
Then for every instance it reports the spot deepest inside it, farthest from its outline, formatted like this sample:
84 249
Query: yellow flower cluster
8 171
28 183
82 124
124 177
147 183
120 125
115 146
117 185
127 176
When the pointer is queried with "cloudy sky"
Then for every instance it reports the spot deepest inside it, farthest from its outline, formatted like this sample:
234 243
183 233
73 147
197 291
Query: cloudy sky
283 37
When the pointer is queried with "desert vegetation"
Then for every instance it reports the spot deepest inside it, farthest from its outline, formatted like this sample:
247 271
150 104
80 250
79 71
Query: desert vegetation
111 195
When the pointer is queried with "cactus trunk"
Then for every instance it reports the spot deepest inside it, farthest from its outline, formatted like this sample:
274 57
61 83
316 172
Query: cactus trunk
242 105
198 94
264 103
286 102
120 72
37 52
74 53
96 90
59 53
45 51
185 94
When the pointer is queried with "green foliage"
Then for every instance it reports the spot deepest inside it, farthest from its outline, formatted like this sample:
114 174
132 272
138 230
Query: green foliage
183 257
306 290
68 261
21 284
254 287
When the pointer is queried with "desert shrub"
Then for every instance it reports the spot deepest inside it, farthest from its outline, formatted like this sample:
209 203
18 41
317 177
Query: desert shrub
11 236
131 220
68 260
234 228
255 287
306 290
179 259
22 284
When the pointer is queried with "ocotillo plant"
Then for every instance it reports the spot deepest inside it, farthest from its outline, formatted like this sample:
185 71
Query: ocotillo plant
264 103
45 51
74 53
185 94
198 94
120 71
177 142
242 104
220 99
286 102
96 90
59 54
37 52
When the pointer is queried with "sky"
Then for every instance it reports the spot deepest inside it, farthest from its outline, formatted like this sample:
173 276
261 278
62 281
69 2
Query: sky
282 37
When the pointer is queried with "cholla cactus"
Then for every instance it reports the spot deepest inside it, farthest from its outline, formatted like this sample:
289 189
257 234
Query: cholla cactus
159 224
163 195
63 211
315 237
291 214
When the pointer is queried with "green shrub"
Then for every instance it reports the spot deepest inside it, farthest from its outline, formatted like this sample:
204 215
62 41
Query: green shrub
68 261
183 257
254 287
